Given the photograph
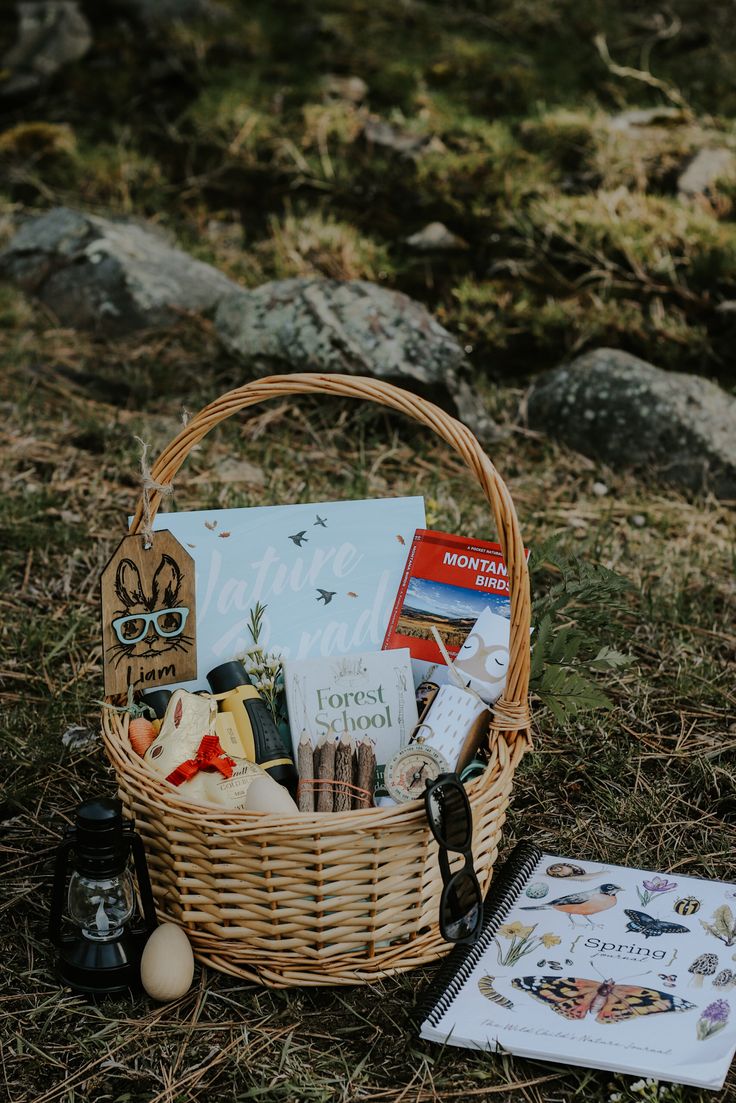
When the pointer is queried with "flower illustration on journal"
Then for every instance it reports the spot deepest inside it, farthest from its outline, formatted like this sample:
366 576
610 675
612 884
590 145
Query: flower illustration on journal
656 887
712 1019
521 940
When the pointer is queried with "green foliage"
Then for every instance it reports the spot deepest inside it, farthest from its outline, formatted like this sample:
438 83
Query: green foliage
571 618
582 588
255 621
576 235
317 245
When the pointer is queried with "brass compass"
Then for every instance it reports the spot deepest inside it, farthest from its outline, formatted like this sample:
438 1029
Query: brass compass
411 768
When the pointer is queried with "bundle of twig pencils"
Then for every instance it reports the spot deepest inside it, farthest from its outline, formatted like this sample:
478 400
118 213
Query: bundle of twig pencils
337 774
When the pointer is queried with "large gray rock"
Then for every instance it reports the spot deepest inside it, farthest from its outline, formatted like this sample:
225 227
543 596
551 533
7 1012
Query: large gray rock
112 277
338 326
51 33
350 326
615 407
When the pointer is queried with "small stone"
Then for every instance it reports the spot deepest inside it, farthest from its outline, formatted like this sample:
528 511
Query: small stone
377 132
600 490
351 89
706 168
638 520
436 238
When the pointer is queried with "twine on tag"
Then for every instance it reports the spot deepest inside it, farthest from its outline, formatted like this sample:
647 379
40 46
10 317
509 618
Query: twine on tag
148 483
454 674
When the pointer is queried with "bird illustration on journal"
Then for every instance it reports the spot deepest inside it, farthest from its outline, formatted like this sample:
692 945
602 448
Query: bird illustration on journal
583 904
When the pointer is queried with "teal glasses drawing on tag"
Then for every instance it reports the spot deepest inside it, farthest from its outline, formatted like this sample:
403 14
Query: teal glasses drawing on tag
168 624
149 614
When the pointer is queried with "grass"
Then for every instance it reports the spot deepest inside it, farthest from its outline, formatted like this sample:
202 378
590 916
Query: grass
649 782
231 136
235 134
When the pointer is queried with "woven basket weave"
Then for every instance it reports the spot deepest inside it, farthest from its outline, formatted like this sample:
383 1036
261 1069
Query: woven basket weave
335 898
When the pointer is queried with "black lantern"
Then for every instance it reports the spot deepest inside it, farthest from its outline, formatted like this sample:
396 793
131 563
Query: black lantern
103 956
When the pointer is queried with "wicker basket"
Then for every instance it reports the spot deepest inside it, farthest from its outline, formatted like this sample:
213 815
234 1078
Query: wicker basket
339 898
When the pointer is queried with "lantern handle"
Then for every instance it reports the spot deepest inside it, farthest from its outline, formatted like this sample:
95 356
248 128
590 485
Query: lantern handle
144 881
57 892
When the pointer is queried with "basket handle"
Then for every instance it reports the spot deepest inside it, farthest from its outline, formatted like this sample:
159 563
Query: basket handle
511 711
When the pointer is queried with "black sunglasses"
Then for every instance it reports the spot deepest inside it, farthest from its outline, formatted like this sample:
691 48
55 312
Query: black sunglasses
450 820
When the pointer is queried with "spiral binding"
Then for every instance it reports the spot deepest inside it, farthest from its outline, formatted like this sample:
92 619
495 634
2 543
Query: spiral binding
505 889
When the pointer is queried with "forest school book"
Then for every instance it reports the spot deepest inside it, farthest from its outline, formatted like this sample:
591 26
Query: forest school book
326 573
448 581
596 965
364 695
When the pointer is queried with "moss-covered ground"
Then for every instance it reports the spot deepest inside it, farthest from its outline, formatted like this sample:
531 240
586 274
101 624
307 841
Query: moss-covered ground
234 137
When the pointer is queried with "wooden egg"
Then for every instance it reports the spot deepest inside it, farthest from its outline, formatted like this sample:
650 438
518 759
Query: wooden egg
141 734
266 795
167 964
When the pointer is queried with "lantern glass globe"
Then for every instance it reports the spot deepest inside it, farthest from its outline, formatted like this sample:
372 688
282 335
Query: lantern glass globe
101 906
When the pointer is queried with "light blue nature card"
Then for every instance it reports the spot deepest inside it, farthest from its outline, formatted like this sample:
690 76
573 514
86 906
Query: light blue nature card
327 573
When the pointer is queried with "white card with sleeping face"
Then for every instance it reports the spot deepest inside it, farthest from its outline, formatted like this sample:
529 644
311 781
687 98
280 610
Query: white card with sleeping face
483 660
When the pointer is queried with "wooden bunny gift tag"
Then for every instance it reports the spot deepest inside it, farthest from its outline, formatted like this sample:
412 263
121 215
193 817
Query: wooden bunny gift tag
149 633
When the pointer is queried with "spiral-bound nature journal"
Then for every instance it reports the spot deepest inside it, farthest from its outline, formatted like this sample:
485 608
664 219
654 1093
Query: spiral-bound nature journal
596 965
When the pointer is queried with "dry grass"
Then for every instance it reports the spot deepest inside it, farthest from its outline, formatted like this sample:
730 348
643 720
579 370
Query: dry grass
651 782
224 134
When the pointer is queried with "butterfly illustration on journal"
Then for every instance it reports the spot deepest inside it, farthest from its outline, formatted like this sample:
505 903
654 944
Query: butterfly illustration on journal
148 614
649 926
607 1000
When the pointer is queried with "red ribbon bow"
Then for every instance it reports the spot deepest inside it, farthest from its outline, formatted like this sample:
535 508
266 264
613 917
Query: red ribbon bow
210 756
